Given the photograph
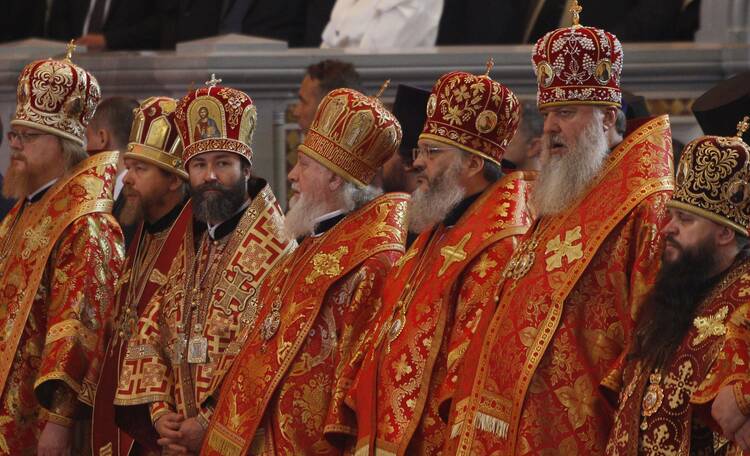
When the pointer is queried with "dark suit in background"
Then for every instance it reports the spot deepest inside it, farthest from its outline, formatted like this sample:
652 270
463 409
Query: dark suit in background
317 16
278 19
130 24
22 19
481 22
629 20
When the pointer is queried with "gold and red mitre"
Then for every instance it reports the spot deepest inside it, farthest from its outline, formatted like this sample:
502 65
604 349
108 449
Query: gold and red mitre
578 65
473 113
352 135
154 137
713 180
57 97
216 118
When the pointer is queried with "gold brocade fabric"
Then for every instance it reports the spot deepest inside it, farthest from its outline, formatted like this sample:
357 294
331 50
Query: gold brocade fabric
209 296
315 307
58 289
434 300
667 411
529 382
148 260
295 420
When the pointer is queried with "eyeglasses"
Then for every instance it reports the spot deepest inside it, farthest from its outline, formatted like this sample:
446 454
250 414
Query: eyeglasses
427 151
24 138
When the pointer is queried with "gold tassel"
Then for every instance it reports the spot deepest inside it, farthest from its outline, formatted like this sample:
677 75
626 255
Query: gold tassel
491 424
456 429
223 446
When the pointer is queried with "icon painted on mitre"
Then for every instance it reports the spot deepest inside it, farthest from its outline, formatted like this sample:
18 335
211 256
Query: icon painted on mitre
544 74
603 72
486 122
205 127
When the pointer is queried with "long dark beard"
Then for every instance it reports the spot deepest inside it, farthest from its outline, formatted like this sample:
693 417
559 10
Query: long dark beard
668 310
218 207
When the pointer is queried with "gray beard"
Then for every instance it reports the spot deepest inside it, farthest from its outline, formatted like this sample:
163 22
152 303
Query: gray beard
564 178
429 207
300 218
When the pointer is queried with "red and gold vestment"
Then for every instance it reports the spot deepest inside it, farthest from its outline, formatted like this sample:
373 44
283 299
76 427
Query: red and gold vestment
60 260
315 307
668 411
146 268
435 296
529 383
210 290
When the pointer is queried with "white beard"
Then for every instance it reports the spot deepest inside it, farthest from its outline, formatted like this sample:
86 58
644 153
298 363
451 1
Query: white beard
428 207
564 178
300 218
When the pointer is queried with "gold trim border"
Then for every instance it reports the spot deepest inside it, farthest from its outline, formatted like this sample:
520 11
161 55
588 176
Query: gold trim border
156 157
709 215
450 142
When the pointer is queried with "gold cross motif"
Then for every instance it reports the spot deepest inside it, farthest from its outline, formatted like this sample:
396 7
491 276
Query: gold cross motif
713 325
326 264
490 64
382 88
453 253
213 81
70 49
742 126
575 10
658 445
680 384
564 249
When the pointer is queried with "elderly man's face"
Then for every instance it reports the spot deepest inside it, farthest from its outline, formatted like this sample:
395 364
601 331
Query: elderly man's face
310 180
574 148
564 126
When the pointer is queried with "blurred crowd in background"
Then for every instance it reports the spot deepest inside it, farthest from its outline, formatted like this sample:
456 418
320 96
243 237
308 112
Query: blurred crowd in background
374 24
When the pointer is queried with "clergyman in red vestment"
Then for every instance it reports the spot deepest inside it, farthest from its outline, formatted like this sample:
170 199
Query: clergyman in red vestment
469 216
529 382
61 252
317 304
155 188
692 341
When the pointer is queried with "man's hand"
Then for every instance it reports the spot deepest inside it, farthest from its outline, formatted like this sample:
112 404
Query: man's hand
727 413
93 42
168 428
192 434
54 440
